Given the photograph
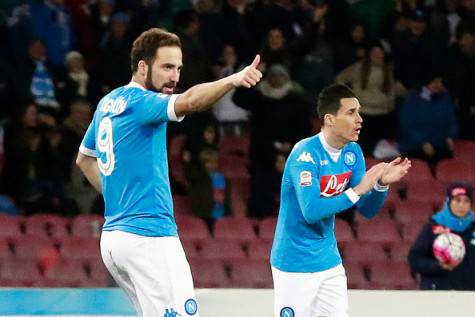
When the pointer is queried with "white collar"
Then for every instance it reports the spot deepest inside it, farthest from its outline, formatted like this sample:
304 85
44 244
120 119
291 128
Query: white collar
334 152
134 84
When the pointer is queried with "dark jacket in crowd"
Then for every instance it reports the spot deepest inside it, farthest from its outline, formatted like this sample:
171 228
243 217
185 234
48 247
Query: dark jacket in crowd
422 260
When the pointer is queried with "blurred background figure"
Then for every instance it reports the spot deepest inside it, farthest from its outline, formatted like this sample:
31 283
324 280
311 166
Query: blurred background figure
231 118
427 122
372 80
457 217
280 116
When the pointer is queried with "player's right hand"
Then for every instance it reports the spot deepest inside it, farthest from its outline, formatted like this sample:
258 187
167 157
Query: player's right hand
249 76
370 179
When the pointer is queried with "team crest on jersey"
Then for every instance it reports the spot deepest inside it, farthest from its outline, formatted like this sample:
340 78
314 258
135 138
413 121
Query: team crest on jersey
331 185
350 158
306 157
191 307
305 178
287 312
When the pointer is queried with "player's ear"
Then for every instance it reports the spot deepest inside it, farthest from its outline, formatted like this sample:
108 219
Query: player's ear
329 119
142 68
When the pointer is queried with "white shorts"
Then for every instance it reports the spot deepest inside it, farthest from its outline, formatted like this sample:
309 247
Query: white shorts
320 294
153 271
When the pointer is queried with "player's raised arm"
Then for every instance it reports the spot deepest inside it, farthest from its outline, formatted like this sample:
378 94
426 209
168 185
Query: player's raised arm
203 96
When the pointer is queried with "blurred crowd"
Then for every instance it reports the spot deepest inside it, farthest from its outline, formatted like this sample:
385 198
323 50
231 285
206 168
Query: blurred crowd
411 64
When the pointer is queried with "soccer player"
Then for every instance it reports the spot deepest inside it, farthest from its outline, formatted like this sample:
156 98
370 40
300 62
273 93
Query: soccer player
123 154
324 175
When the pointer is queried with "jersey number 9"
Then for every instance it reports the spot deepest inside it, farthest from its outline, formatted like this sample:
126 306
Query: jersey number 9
105 144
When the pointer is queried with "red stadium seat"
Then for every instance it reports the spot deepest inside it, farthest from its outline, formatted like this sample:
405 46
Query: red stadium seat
241 187
251 274
190 248
176 145
192 228
236 229
464 149
420 172
209 274
410 211
382 231
225 251
87 226
5 252
432 192
260 249
80 249
45 225
454 170
400 251
267 228
66 273
383 214
32 247
10 226
370 161
18 272
410 231
356 276
364 252
343 231
236 145
393 275
181 205
99 276
234 166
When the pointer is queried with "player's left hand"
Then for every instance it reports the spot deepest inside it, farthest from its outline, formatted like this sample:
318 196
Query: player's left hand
395 170
249 76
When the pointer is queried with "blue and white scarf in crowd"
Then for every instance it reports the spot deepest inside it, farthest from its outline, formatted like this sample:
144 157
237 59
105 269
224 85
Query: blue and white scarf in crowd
446 218
42 87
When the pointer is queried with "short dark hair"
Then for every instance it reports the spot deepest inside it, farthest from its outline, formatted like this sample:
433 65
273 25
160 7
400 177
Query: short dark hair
146 45
329 99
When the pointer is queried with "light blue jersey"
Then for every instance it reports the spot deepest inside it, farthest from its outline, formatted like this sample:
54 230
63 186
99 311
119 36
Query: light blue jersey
128 137
314 189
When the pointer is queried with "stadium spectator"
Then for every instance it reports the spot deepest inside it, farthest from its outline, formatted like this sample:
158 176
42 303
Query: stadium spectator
460 74
275 50
372 80
51 22
75 82
427 122
231 118
34 79
351 48
209 189
114 52
32 177
415 51
280 117
457 217
187 26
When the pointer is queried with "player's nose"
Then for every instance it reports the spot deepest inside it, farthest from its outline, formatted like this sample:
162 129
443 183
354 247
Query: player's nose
175 76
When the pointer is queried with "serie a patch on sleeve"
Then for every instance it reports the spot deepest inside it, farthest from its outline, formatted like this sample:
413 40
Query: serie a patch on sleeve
305 178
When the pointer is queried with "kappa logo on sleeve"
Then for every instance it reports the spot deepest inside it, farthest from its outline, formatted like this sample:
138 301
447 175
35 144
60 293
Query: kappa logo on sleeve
305 178
305 157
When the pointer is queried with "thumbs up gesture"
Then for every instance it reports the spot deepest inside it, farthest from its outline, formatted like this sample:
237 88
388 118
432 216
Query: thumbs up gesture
249 76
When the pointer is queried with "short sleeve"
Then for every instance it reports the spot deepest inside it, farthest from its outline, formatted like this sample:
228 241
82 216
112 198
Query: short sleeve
88 144
156 108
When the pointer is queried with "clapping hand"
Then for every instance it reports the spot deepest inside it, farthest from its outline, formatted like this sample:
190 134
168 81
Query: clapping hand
395 170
